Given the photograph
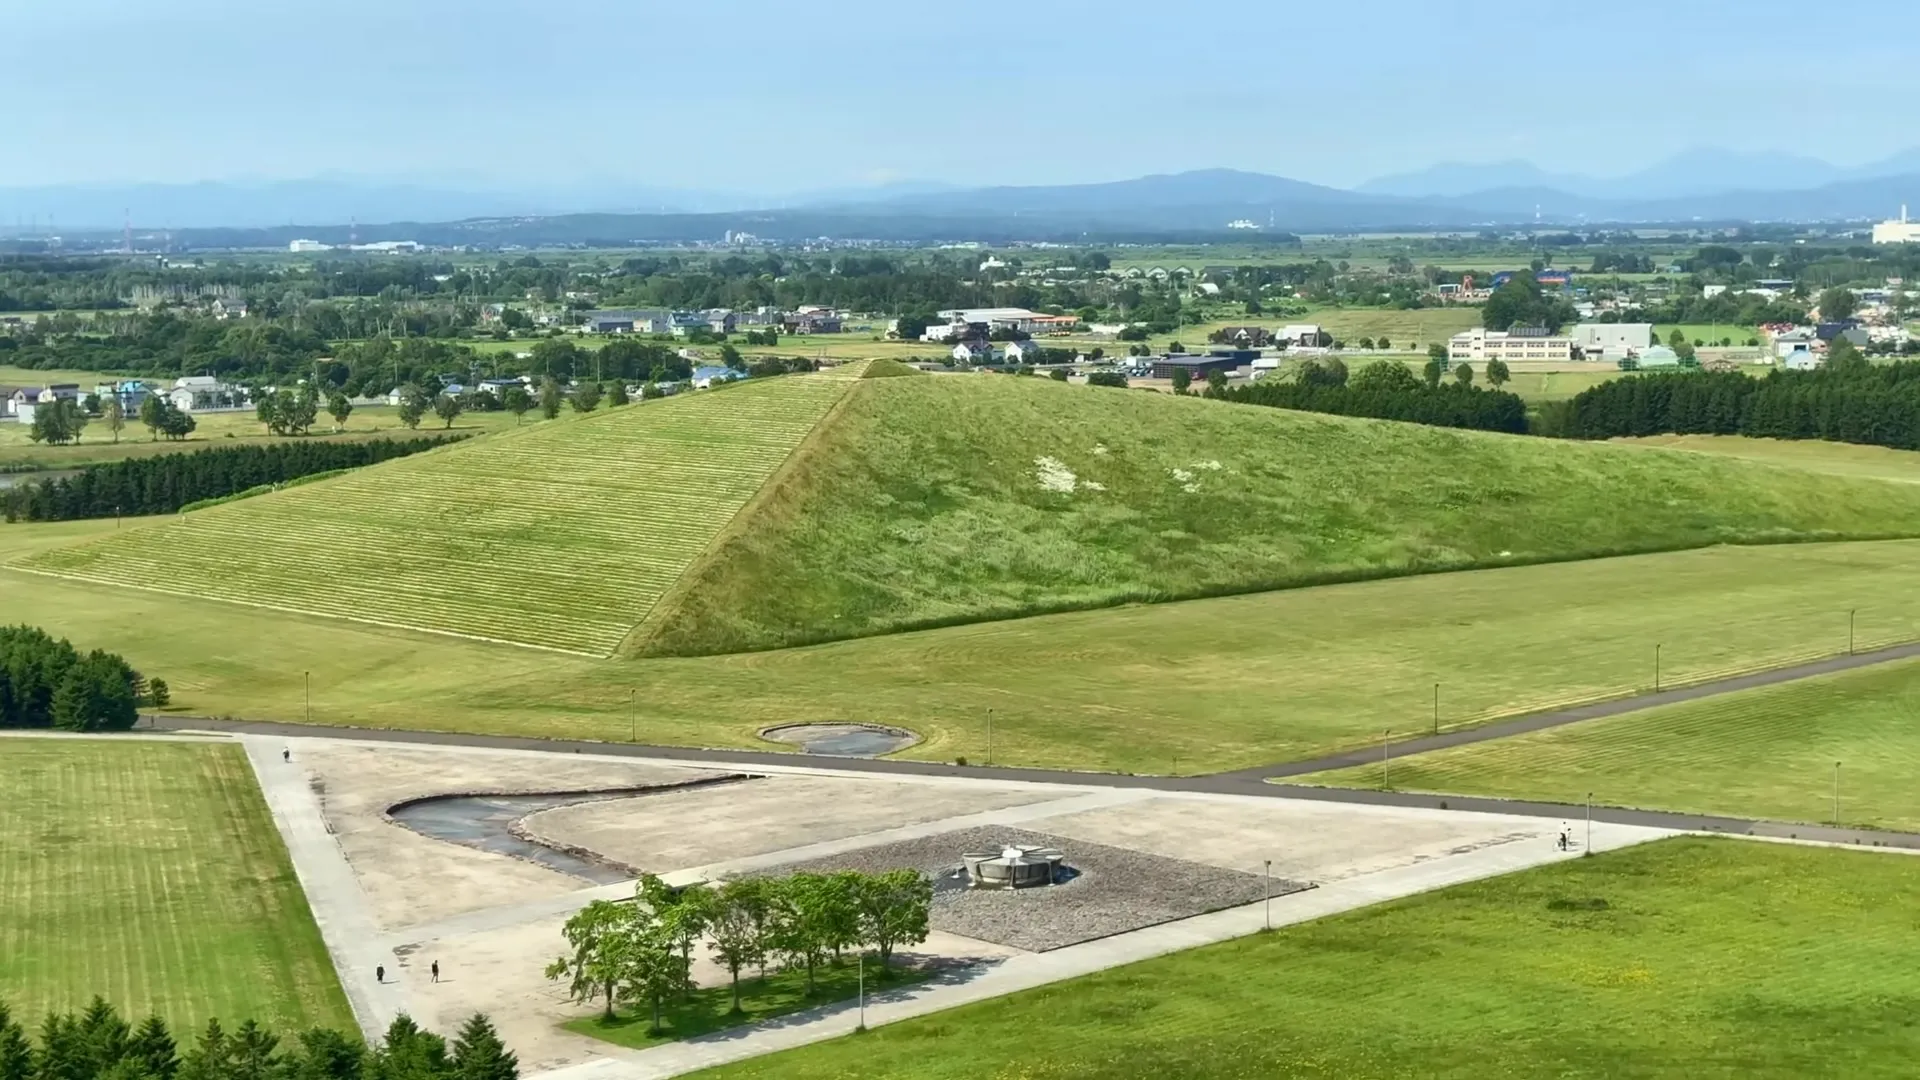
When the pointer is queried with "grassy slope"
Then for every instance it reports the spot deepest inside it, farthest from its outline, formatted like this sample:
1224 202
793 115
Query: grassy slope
1766 753
1201 685
921 505
151 874
1838 459
1713 958
216 430
561 534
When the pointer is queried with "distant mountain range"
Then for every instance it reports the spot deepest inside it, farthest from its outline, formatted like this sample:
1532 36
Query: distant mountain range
1705 186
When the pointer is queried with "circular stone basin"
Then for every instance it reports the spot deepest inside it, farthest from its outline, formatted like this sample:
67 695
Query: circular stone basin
843 740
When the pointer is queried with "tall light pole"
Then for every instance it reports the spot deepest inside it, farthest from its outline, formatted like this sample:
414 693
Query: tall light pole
1267 882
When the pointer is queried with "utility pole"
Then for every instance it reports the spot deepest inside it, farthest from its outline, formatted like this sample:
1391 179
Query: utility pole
1267 882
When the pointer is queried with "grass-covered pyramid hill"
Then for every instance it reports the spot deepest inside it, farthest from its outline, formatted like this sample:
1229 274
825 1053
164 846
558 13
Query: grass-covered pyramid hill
814 507
942 499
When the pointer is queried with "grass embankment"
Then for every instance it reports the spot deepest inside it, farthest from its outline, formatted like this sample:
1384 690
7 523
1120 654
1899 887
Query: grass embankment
1686 958
709 1008
1206 685
1767 753
559 534
960 498
1838 459
150 873
19 453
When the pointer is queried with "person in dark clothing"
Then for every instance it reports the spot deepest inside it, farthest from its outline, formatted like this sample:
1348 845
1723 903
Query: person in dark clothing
436 971
380 973
286 755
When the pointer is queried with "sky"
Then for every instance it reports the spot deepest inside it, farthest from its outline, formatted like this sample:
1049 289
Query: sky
765 97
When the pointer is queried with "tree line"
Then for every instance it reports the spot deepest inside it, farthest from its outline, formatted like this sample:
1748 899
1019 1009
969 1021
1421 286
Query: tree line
98 1044
1386 390
1852 402
47 683
641 951
165 483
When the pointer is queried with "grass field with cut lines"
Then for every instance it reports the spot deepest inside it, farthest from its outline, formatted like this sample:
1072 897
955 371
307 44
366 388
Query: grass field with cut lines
150 873
1686 959
1766 753
560 534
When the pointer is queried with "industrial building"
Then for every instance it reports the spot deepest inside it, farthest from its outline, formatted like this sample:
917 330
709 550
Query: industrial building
1898 231
1520 344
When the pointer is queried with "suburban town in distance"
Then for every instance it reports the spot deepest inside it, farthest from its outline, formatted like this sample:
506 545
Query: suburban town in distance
520 566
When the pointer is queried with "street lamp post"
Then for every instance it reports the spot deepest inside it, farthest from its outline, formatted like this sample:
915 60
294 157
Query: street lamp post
1267 883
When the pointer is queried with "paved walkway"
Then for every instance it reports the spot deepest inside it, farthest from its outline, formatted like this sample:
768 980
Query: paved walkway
339 907
1247 782
1030 970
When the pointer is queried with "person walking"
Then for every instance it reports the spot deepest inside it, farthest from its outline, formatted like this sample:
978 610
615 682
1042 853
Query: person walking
286 755
436 971
380 973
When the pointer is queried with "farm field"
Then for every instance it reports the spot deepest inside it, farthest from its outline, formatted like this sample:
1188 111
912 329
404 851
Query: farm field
1839 459
18 376
150 873
931 501
1766 753
1683 958
18 451
1198 686
622 499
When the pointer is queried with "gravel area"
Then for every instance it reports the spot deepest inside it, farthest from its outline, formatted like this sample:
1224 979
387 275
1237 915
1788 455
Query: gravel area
1115 891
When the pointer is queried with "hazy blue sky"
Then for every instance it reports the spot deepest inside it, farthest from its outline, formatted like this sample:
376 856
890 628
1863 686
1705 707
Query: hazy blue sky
766 96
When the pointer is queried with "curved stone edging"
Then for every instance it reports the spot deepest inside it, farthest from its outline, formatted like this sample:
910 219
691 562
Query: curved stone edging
911 738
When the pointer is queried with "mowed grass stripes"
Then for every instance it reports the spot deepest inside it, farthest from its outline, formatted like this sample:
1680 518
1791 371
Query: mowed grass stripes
1687 958
562 534
150 873
1766 753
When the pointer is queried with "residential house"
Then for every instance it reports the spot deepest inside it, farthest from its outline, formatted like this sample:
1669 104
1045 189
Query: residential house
1025 352
1244 337
1796 340
812 321
974 351
228 308
1300 336
705 377
1801 357
192 393
129 392
1655 357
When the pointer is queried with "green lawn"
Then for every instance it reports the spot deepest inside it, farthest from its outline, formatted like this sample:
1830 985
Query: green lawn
710 1008
560 534
1766 753
19 452
957 498
1688 958
1839 459
1196 686
150 874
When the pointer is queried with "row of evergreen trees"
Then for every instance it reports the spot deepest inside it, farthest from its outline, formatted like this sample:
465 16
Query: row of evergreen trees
46 683
1444 405
1852 402
97 1044
164 484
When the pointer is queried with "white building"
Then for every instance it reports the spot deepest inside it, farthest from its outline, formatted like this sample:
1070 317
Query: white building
1525 344
306 247
1612 341
1018 319
1899 231
1298 336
